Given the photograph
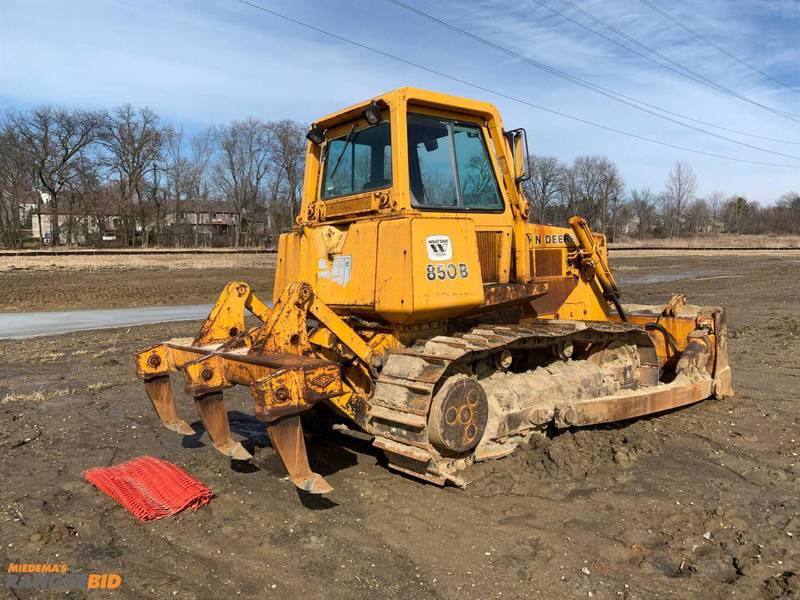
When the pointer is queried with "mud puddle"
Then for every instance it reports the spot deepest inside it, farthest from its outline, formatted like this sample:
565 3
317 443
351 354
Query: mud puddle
662 277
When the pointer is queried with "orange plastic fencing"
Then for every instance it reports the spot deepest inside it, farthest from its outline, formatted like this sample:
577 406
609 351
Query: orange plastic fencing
150 488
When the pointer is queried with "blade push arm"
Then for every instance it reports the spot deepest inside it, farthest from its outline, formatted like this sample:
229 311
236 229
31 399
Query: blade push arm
593 263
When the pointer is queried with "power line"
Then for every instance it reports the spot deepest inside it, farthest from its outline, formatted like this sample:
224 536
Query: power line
669 68
627 100
716 46
507 96
682 69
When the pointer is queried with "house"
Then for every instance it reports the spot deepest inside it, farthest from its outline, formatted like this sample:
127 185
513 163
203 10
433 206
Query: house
201 222
209 222
74 228
95 220
26 204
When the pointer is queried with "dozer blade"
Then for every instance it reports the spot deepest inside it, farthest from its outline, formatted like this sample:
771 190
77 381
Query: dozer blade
214 415
692 383
159 391
286 436
629 404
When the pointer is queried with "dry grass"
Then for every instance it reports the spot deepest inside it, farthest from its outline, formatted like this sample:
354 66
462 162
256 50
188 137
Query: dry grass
662 252
99 386
105 351
44 395
721 240
139 262
36 396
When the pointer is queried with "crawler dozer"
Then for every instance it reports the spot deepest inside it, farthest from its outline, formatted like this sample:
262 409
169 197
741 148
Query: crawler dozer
414 300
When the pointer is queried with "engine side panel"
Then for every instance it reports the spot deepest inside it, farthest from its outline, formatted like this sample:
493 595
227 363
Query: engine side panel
428 269
403 270
338 261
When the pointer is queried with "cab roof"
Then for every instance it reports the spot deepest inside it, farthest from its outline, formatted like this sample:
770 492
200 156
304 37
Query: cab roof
399 96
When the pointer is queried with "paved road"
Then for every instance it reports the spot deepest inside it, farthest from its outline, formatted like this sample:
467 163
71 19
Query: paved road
25 325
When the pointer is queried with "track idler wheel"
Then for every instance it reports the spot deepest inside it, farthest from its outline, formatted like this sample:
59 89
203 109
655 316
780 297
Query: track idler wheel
458 416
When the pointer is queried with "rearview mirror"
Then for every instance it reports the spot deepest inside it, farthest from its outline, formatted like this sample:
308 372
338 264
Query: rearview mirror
518 143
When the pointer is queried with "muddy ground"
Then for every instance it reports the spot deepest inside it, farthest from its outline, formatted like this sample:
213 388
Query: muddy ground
34 283
702 502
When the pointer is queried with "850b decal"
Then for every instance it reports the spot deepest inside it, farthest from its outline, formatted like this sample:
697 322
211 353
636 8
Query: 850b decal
444 271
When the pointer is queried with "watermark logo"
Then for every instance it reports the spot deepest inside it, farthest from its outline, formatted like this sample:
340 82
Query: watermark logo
57 576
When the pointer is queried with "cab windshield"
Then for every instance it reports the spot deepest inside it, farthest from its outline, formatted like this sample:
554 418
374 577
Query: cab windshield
359 161
449 166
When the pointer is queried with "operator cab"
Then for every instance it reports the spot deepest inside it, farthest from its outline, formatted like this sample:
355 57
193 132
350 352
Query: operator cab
410 150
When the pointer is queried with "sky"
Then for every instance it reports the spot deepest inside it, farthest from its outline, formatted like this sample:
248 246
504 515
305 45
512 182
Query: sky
198 62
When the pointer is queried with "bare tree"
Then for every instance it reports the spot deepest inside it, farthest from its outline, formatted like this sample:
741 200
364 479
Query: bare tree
157 189
789 204
679 192
53 137
593 183
698 216
584 186
288 152
133 142
91 193
612 190
242 167
715 202
643 207
78 186
203 145
176 167
619 212
545 184
16 171
569 191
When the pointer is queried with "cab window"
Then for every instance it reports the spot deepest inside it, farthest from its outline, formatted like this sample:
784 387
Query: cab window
449 166
359 161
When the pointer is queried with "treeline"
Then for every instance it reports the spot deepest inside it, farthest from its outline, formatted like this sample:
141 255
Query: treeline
125 169
126 166
592 186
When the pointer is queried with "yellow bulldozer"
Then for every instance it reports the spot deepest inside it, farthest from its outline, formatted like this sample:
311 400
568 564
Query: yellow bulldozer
414 300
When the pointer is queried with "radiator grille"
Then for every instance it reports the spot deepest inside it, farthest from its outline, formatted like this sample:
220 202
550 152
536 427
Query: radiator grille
489 243
549 262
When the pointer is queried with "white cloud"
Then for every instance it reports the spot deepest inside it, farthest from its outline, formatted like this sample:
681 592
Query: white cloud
217 60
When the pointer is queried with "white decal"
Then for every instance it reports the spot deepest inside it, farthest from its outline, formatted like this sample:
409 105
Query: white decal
340 271
439 247
323 272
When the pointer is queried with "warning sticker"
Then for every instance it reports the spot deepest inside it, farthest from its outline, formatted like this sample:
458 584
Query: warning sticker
340 270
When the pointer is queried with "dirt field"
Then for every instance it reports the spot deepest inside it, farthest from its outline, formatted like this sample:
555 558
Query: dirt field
29 283
719 240
698 503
